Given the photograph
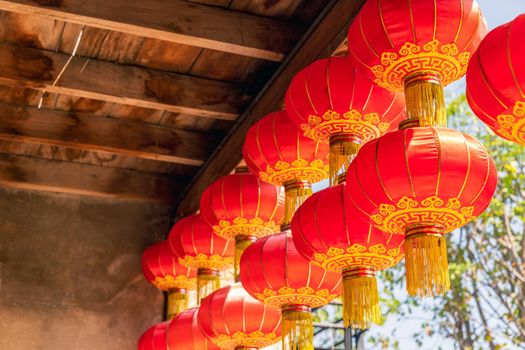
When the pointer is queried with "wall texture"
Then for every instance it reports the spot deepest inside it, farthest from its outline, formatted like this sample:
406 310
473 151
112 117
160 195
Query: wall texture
70 273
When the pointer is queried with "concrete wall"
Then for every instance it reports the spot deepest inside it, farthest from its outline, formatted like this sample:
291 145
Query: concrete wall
70 271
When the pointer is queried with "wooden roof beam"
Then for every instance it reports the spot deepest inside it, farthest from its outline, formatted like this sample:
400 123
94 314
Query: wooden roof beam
175 21
323 38
115 136
112 82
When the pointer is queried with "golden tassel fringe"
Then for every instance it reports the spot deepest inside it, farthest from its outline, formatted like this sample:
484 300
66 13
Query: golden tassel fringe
298 329
208 281
295 193
177 303
241 243
426 265
343 149
425 100
360 300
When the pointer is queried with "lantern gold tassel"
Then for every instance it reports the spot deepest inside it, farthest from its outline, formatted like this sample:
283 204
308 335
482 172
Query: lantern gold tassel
426 260
208 281
343 149
295 193
298 328
360 298
241 243
177 302
425 100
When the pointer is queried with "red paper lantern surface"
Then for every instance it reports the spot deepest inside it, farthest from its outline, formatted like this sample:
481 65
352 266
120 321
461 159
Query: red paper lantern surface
154 338
241 204
496 81
183 333
162 269
391 40
231 319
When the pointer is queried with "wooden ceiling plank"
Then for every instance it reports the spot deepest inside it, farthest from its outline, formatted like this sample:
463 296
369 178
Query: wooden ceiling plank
35 174
112 82
176 21
321 40
93 133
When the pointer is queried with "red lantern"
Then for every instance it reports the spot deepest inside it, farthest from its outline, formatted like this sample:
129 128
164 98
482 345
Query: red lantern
232 319
154 338
162 269
420 46
334 103
496 81
326 232
422 183
279 154
274 272
183 333
198 247
242 208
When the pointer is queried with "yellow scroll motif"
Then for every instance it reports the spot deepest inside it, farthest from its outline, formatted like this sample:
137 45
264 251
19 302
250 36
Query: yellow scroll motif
511 125
256 339
357 255
171 282
449 214
298 169
239 226
364 126
445 61
203 261
291 296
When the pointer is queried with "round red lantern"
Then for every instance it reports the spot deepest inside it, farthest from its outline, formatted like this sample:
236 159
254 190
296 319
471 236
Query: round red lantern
327 233
162 269
496 81
232 319
420 46
279 154
197 245
154 338
183 333
273 271
422 183
241 207
334 103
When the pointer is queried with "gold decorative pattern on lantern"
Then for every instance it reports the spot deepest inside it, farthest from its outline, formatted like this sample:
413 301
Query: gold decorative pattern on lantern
256 339
282 172
203 261
364 126
512 125
172 282
450 214
357 255
300 296
240 226
445 61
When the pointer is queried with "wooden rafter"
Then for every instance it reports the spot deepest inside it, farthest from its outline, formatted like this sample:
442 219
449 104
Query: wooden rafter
322 40
175 21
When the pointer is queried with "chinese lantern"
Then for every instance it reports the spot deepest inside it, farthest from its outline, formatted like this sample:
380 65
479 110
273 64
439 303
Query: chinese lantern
154 338
232 319
162 269
422 182
496 81
274 272
419 46
241 207
198 247
326 232
183 333
279 154
332 102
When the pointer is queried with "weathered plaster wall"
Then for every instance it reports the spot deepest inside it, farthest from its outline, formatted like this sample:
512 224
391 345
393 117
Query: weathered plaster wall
70 271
